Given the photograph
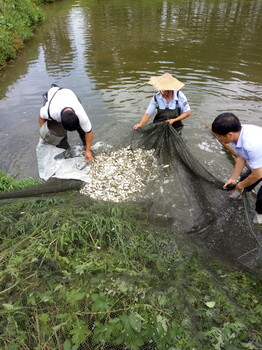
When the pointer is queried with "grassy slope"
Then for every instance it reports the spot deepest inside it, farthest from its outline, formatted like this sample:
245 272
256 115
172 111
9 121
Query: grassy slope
79 274
18 19
10 183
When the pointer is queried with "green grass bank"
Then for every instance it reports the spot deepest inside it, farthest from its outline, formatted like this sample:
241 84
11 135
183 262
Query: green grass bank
10 183
18 18
81 274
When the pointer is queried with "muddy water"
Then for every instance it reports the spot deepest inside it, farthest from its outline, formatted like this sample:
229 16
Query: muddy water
106 51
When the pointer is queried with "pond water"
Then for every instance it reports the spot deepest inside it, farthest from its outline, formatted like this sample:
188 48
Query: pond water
107 50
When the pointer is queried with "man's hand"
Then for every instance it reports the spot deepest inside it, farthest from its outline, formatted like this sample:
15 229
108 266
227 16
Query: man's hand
170 121
88 156
230 182
236 192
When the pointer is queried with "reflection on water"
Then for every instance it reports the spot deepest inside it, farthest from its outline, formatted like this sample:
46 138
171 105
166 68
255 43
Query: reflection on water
215 37
106 52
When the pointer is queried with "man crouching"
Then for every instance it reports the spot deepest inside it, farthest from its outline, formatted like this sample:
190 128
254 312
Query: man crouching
247 141
64 112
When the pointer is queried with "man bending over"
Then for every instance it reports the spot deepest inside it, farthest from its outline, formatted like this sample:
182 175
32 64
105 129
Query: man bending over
64 110
247 141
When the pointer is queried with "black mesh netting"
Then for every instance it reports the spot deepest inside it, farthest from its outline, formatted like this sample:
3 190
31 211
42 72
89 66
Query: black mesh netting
83 274
187 194
195 200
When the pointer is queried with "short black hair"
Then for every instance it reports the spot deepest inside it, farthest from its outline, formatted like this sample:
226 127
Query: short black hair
225 123
69 120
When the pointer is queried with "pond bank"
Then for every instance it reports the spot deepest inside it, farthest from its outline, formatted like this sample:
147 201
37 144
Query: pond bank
18 19
84 270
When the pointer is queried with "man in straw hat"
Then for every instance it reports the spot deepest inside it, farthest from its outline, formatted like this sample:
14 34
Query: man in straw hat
170 103
64 112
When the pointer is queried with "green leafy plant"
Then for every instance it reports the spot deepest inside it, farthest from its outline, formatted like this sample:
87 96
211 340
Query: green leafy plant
9 183
18 19
77 274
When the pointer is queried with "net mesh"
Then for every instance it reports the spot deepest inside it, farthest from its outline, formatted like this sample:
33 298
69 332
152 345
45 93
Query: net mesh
219 223
81 274
170 147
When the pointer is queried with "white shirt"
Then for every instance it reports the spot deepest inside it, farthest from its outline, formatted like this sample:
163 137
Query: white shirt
65 98
182 103
249 145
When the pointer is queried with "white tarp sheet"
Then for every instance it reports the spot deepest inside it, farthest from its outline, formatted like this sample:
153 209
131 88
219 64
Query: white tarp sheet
49 166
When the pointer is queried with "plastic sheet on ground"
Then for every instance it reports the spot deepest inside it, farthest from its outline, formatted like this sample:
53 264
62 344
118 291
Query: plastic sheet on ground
70 168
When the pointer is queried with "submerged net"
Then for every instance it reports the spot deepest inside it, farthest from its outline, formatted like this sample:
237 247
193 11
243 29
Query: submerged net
195 200
169 147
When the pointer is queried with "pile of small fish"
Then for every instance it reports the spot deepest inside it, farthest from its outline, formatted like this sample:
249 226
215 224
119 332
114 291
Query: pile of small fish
120 175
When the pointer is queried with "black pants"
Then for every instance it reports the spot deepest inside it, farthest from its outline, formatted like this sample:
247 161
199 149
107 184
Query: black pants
251 187
64 143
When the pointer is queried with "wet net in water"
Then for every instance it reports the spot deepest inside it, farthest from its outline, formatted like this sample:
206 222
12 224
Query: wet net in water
195 200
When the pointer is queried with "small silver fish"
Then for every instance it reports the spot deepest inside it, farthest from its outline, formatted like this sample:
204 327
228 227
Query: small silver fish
120 175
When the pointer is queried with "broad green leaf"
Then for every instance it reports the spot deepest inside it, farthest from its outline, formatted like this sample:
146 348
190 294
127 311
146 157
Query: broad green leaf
8 307
210 304
135 322
67 345
80 333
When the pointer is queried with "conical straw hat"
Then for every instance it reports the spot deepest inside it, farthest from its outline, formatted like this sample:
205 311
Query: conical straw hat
166 82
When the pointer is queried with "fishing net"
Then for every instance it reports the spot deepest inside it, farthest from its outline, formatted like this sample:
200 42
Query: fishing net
156 167
109 266
194 198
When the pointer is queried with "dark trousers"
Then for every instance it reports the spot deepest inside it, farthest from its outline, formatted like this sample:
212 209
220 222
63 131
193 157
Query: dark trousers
251 187
64 143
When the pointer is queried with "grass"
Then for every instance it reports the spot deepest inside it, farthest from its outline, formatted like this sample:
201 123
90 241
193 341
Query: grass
18 19
9 183
80 274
